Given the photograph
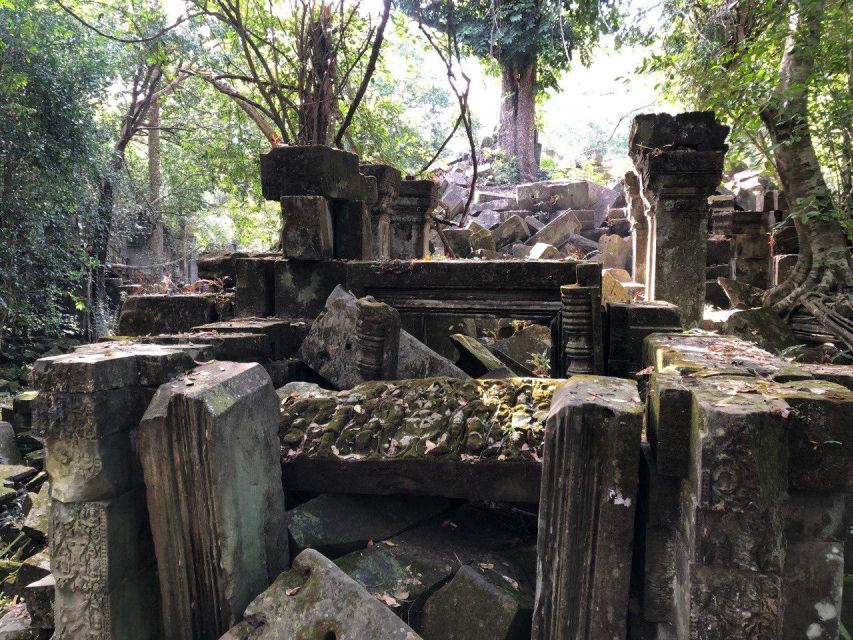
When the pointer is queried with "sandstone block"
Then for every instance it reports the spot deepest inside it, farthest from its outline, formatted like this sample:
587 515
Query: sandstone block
312 170
558 230
307 232
513 229
149 314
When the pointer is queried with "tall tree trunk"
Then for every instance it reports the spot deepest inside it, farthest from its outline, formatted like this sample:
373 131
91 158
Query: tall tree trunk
155 242
824 265
517 131
101 244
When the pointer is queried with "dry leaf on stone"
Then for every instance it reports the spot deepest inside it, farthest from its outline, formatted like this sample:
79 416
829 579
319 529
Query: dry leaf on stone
389 600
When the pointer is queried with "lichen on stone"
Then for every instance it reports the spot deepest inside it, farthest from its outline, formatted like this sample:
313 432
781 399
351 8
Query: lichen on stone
467 420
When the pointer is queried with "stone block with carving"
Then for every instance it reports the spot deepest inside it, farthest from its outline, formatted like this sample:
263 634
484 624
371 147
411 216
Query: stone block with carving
209 449
311 170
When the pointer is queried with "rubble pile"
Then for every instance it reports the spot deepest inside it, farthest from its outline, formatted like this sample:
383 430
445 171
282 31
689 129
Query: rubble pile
355 440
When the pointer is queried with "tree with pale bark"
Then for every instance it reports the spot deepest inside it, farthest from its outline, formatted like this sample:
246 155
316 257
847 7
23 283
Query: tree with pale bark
531 42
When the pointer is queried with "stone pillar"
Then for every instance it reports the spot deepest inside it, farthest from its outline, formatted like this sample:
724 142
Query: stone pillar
378 337
307 232
639 227
387 188
586 510
210 455
410 224
679 161
576 331
88 409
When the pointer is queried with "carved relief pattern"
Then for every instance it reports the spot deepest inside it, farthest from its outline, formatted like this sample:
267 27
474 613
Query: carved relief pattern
577 329
78 541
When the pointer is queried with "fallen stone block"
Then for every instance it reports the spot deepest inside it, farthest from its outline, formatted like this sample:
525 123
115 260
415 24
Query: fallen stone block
586 511
495 204
481 238
628 325
37 521
544 251
307 230
741 295
459 241
474 439
513 229
615 252
311 170
331 341
763 327
316 595
530 347
580 246
533 223
9 451
453 200
337 524
404 571
557 231
475 359
152 314
209 449
551 194
478 603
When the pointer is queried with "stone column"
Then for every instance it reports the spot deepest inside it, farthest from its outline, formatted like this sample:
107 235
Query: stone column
88 409
639 227
679 161
388 188
211 460
410 224
576 331
378 337
586 510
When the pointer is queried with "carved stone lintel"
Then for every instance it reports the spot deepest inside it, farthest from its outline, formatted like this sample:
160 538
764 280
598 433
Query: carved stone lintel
378 339
576 334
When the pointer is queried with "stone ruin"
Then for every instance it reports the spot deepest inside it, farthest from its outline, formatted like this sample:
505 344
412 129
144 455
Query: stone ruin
357 442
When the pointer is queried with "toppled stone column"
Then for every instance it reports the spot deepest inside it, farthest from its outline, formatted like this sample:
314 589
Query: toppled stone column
378 332
316 595
210 454
388 188
88 409
679 161
586 510
639 227
410 224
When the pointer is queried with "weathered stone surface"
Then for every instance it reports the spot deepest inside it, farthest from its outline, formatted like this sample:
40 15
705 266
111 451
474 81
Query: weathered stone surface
315 599
479 439
311 170
353 231
628 326
612 290
615 252
716 355
255 290
301 287
307 232
409 567
530 347
513 229
9 451
83 470
553 194
475 359
586 511
481 238
478 604
763 327
459 241
284 336
36 523
329 348
557 231
209 449
147 314
336 524
453 200
719 250
544 251
387 179
740 294
369 189
235 346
